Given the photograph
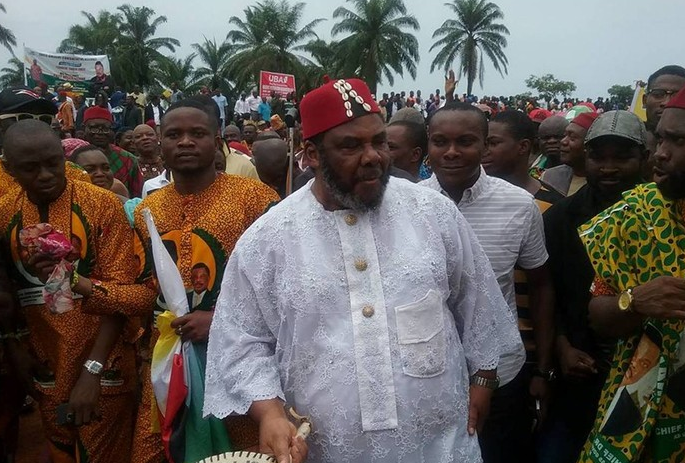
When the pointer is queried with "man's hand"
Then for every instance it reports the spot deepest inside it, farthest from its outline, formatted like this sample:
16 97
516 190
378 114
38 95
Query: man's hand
277 433
479 407
663 297
83 401
539 389
43 265
194 327
277 437
450 85
576 363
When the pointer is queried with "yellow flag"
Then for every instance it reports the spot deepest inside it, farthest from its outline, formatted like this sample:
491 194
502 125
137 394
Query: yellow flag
637 107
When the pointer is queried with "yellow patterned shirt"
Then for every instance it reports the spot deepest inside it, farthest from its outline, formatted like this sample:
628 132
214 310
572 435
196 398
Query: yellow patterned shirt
200 231
103 242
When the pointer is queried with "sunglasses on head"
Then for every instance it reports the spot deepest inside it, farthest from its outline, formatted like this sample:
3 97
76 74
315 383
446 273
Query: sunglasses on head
16 117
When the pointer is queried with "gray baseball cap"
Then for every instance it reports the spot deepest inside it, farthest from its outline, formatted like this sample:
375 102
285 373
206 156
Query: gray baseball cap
623 124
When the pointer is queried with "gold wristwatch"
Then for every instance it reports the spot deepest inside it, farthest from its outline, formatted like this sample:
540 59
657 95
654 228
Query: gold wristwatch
485 382
625 300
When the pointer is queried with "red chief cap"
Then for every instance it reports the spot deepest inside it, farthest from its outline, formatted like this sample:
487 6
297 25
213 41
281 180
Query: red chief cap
585 120
333 104
678 101
538 115
97 112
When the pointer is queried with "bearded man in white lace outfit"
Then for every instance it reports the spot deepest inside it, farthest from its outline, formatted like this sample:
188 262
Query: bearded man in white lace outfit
363 301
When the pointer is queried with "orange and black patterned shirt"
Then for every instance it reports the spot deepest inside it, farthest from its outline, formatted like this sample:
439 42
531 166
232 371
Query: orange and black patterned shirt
103 241
200 231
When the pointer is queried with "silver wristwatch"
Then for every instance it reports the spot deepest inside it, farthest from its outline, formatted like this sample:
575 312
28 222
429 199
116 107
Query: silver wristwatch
93 367
485 382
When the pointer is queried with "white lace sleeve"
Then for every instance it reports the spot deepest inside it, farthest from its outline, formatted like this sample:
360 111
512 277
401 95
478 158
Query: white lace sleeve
241 362
485 324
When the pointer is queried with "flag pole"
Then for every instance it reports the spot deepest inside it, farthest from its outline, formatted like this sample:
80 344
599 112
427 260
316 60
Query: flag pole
26 78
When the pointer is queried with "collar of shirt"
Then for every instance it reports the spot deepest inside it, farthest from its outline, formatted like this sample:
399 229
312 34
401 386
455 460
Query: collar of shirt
470 195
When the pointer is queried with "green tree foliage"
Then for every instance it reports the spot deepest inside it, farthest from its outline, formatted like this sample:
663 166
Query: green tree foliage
379 44
327 59
138 47
13 74
215 72
7 38
180 71
549 87
621 94
128 37
99 36
270 39
470 37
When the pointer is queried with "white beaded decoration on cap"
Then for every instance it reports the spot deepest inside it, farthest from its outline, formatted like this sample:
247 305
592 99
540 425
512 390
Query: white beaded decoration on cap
346 92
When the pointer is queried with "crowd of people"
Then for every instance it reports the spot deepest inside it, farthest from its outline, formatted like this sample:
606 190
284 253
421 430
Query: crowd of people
445 279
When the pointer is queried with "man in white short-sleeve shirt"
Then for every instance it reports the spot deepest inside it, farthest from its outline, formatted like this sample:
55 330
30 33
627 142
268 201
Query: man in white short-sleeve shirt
508 224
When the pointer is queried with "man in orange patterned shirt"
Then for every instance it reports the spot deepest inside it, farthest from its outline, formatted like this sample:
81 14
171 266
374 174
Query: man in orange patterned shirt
82 367
200 218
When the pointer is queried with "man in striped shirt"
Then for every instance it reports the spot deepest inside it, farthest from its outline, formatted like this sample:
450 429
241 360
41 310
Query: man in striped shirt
508 224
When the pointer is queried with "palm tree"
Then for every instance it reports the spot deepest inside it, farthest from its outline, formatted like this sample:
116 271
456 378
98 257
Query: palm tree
99 36
216 72
181 71
13 74
269 39
472 36
138 49
378 45
7 38
326 60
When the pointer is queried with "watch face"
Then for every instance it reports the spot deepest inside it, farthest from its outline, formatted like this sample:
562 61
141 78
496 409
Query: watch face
624 300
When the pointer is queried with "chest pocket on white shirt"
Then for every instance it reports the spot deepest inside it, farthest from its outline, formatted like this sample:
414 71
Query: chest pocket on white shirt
421 336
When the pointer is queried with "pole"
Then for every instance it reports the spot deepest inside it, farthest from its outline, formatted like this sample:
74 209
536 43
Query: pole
26 78
291 161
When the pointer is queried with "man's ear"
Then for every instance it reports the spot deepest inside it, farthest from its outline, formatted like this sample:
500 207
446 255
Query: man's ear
525 147
416 154
6 165
311 154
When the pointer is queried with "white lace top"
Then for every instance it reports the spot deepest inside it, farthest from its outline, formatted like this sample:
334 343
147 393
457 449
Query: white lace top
370 323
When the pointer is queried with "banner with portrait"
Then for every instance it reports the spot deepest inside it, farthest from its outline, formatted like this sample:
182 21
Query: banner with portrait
85 73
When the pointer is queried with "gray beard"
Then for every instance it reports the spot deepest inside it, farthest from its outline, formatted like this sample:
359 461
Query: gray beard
345 198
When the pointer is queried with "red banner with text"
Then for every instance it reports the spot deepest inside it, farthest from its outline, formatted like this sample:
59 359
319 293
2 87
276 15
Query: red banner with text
276 82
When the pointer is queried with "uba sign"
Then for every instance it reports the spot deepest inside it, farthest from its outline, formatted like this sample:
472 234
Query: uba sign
274 81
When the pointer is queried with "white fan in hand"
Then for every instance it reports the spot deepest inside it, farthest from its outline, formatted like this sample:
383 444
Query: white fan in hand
252 457
239 457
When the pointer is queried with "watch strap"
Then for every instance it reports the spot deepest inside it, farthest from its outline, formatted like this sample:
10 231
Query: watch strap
485 382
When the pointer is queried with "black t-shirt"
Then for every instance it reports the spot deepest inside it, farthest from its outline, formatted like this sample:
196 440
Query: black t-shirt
572 273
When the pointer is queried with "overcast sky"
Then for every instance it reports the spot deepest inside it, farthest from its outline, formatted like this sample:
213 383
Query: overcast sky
594 43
